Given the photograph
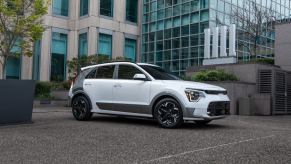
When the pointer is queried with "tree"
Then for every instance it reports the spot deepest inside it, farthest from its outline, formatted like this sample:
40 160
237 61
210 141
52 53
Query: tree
254 22
76 64
20 26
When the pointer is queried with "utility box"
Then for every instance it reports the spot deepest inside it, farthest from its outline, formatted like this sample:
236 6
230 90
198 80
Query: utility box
261 104
244 106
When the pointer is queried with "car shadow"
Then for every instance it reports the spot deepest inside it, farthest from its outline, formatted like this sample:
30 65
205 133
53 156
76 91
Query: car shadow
152 123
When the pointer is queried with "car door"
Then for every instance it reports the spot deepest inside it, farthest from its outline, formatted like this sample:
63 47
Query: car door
98 85
131 95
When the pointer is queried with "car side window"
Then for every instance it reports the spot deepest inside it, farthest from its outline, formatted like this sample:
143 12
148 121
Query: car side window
105 72
92 74
127 72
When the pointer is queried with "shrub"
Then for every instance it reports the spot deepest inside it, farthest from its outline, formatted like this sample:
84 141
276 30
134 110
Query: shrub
213 75
43 90
76 64
265 61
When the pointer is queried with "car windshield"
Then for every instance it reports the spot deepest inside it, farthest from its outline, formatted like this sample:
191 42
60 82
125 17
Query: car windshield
158 73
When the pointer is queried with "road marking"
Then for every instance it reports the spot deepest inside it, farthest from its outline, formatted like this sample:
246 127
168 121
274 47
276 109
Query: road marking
208 148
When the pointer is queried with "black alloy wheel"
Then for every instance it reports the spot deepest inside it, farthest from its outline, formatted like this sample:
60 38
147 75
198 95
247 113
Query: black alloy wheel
81 108
168 113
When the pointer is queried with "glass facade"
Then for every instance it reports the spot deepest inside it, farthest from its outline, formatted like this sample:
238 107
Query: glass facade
84 7
105 45
13 65
106 8
58 56
130 49
173 30
36 60
131 10
83 44
61 7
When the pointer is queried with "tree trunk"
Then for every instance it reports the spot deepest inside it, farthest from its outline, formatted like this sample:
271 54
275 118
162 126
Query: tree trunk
3 74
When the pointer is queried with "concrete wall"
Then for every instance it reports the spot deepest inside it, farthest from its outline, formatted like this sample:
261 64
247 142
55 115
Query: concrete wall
236 90
283 46
93 23
247 73
246 89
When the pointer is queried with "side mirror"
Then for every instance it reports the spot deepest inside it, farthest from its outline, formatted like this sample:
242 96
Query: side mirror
140 76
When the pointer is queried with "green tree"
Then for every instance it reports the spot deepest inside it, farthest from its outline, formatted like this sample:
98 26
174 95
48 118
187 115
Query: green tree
20 26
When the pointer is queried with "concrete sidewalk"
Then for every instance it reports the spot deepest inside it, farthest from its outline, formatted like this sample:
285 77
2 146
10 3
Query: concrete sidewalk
51 109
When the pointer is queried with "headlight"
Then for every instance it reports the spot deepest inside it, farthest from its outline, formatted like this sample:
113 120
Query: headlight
194 95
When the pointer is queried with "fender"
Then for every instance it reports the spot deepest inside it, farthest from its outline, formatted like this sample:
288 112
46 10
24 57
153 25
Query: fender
167 93
80 91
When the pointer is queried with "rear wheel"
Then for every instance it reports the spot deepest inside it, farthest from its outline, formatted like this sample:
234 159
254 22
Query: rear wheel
202 122
168 113
81 108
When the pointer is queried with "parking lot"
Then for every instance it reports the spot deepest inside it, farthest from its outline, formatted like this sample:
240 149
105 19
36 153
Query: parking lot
56 137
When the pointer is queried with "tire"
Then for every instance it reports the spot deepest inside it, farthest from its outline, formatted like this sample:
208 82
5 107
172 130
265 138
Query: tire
81 108
168 113
202 122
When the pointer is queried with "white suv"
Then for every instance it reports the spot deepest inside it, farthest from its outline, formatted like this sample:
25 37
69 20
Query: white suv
144 90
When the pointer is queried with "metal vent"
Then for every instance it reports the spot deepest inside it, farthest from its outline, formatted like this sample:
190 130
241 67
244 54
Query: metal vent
288 93
265 81
280 93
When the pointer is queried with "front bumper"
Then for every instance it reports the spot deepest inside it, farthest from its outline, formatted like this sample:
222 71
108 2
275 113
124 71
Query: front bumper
209 108
204 118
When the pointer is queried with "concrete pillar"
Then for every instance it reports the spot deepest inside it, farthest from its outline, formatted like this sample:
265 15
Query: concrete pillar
92 41
74 10
207 35
232 40
223 32
119 12
45 58
215 42
94 7
26 67
118 44
72 45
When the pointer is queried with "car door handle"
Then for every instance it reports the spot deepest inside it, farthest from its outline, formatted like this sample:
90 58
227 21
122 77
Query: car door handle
117 85
87 84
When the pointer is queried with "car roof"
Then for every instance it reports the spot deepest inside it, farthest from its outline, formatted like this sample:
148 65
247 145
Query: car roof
115 63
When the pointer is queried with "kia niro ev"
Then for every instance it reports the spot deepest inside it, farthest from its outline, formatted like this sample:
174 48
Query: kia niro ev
145 90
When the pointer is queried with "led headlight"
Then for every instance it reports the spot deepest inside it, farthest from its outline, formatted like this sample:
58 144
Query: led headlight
194 95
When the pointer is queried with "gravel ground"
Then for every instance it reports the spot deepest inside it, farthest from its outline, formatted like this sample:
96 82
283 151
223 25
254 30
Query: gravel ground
56 137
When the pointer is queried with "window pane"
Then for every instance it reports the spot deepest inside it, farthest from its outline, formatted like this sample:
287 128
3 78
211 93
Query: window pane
61 7
127 72
59 56
105 72
130 49
204 16
131 10
84 6
36 59
105 45
83 45
13 63
106 7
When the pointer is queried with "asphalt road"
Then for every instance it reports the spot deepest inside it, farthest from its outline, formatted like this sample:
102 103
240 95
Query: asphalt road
55 137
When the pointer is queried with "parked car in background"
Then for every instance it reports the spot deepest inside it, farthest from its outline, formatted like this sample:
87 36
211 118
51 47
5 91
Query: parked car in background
145 90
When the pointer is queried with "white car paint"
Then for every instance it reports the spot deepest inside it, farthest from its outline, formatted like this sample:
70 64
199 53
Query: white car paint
140 92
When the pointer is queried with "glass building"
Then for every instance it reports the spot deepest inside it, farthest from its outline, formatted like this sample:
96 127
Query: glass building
173 30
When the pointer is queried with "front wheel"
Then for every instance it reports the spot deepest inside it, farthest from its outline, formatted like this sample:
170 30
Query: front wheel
81 108
168 113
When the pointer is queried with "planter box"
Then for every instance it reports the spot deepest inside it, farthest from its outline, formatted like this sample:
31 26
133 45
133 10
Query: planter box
16 101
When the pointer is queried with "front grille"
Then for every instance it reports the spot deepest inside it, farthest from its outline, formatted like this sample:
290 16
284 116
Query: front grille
219 108
215 92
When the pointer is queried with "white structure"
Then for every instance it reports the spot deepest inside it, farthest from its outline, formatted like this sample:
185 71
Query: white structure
219 54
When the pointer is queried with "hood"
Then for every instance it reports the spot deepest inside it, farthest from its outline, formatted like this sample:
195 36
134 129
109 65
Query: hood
193 85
